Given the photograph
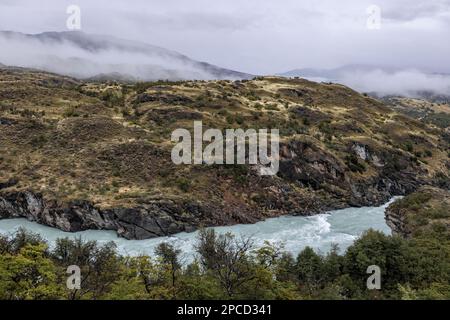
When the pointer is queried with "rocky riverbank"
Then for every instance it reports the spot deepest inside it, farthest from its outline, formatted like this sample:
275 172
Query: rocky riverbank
162 218
152 220
427 210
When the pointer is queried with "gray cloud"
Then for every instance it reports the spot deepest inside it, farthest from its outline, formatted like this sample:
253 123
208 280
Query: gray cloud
404 82
410 11
82 55
195 20
260 37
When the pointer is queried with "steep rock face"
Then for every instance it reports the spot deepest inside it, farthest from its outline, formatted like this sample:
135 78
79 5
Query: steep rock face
153 220
396 220
306 163
311 166
160 217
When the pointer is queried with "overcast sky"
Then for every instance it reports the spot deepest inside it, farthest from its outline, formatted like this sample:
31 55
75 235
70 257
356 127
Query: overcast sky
257 36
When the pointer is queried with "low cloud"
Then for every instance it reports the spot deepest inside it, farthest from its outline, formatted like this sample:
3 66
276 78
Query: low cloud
260 37
404 82
90 56
410 11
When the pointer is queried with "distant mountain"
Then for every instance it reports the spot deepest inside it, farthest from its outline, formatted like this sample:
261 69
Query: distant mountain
84 55
382 81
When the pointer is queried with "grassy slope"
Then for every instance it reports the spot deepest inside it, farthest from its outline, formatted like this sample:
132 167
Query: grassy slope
421 213
436 113
110 144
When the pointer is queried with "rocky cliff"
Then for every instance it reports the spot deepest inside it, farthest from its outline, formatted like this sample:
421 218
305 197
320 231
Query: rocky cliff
147 221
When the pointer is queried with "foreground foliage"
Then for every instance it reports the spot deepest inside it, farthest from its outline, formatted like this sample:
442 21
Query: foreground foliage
226 268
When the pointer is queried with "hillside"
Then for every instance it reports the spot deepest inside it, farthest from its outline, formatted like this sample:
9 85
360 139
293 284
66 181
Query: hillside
426 110
79 155
421 213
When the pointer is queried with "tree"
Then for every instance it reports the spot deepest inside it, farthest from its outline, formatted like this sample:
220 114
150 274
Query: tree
170 257
29 274
268 255
427 260
286 268
20 239
152 278
130 285
309 269
99 266
333 264
198 285
226 258
386 252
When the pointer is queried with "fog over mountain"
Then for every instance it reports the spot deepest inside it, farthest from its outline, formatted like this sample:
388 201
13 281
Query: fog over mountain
83 55
411 82
410 50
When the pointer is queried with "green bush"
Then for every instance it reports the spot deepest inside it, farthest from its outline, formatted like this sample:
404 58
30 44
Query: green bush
227 267
184 184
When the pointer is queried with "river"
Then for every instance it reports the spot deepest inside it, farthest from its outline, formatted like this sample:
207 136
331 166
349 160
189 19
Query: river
341 227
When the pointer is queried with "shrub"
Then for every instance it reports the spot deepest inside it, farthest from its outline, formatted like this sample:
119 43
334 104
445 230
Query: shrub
354 164
183 184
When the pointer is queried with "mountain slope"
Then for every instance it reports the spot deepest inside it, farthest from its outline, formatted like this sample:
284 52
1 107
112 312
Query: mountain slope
436 112
83 56
87 155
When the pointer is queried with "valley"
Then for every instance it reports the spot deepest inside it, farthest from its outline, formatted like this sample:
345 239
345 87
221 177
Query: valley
80 155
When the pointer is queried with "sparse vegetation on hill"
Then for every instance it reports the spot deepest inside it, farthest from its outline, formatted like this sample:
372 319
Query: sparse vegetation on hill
419 214
81 155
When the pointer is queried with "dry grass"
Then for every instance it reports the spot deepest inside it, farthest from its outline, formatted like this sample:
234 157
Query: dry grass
110 143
